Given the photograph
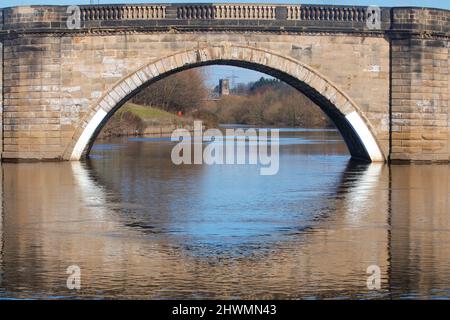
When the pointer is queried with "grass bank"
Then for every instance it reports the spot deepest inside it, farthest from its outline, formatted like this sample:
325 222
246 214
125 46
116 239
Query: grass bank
133 119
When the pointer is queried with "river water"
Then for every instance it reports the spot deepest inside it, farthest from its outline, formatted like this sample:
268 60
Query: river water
139 226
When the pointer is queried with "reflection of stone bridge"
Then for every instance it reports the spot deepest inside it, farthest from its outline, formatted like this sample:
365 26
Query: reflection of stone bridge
395 218
385 86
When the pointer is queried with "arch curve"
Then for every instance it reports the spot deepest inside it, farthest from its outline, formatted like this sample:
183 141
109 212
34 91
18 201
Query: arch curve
347 116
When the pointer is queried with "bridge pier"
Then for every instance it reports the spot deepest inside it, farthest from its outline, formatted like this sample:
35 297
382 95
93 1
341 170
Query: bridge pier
1 87
419 100
1 97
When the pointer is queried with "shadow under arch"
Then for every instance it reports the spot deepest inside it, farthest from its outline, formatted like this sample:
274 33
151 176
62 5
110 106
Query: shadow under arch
345 114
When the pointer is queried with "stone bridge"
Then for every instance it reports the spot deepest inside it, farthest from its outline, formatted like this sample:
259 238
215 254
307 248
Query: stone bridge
380 74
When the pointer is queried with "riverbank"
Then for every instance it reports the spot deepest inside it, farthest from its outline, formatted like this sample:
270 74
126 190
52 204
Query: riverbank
136 120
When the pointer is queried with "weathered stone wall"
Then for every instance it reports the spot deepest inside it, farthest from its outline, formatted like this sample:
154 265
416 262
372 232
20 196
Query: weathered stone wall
1 86
1 99
420 99
55 77
53 82
420 87
32 107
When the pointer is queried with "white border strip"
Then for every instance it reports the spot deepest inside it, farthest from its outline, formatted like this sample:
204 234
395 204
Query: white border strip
365 136
87 134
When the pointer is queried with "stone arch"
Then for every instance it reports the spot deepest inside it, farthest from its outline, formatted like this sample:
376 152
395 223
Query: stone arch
348 118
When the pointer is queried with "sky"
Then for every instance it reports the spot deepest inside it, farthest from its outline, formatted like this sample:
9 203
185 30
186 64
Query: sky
214 73
234 74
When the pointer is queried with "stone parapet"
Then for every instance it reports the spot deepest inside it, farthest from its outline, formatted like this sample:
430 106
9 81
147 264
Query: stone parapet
422 20
265 17
163 16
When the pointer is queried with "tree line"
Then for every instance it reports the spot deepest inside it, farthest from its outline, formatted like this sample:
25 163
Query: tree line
268 102
184 91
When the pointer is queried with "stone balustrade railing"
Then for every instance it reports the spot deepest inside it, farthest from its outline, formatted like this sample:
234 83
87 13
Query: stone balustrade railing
294 12
224 11
245 11
227 11
127 12
224 16
195 12
330 13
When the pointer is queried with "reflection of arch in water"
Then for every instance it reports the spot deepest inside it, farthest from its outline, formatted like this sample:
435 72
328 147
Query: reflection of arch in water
353 192
364 248
357 186
93 194
347 116
124 179
364 190
356 234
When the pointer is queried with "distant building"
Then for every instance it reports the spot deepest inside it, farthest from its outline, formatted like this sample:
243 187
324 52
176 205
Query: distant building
224 87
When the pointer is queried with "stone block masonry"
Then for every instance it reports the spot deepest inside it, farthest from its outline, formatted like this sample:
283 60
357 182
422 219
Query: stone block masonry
1 86
420 89
385 89
1 94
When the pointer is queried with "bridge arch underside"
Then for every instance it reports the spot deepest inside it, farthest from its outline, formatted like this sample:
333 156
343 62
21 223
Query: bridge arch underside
341 110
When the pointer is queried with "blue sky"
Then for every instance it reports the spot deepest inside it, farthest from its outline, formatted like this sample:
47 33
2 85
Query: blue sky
214 73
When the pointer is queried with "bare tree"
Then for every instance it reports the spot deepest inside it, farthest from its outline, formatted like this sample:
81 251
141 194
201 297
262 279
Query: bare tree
184 91
271 102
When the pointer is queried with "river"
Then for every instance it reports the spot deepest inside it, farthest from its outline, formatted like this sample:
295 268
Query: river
138 226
